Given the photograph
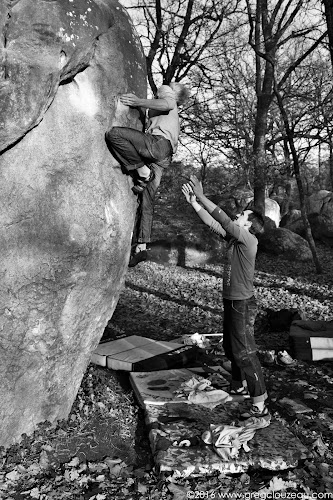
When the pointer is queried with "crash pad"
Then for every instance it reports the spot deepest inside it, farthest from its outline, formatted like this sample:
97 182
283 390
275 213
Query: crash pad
172 419
274 447
163 386
137 353
311 340
157 388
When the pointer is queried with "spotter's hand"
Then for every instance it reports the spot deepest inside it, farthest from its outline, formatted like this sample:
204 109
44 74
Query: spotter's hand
188 193
196 186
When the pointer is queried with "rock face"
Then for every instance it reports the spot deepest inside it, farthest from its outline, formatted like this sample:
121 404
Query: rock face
320 202
320 209
67 210
320 215
272 210
293 221
285 243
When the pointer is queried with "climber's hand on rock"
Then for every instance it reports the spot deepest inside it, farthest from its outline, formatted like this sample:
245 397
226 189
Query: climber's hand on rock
130 100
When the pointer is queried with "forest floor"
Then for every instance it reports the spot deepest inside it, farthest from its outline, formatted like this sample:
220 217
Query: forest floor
102 452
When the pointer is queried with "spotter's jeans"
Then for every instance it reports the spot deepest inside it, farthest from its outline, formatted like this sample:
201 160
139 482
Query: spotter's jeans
133 149
240 347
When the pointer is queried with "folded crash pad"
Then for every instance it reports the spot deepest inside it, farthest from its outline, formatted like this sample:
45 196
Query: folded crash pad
137 353
311 340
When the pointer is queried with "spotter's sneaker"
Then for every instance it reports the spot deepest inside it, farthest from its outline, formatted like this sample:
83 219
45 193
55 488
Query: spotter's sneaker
255 412
268 358
242 391
283 358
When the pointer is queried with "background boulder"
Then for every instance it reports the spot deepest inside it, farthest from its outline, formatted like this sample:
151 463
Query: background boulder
320 215
322 228
320 209
293 221
285 243
272 210
320 202
67 210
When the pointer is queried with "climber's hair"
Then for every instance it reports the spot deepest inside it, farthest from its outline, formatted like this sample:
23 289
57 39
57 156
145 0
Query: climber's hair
181 91
257 220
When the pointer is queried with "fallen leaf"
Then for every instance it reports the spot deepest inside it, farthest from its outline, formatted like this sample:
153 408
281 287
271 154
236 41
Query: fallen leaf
43 460
74 462
178 492
71 475
13 476
100 478
142 488
319 446
277 484
115 470
34 493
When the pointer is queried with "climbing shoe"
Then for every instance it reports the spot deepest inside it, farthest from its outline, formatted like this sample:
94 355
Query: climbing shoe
142 182
138 257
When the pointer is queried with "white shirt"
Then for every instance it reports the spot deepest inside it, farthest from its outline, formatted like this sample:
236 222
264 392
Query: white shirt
165 123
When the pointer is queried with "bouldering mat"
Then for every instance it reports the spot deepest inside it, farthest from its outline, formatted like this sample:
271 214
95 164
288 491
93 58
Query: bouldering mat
137 353
161 387
273 448
218 376
158 387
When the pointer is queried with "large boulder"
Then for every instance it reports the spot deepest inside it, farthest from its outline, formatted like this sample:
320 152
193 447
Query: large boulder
285 192
293 221
320 209
272 210
285 243
322 228
320 216
67 210
320 202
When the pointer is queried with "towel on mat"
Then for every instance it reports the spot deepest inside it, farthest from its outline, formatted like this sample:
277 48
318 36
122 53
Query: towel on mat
199 391
227 440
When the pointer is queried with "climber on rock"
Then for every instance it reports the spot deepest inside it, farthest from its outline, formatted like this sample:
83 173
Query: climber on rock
146 154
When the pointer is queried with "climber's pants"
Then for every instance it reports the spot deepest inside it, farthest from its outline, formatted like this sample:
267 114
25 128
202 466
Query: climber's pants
133 148
240 347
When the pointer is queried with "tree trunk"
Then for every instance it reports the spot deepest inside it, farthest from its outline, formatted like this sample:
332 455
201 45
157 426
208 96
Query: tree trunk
264 100
329 21
308 232
290 136
331 161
